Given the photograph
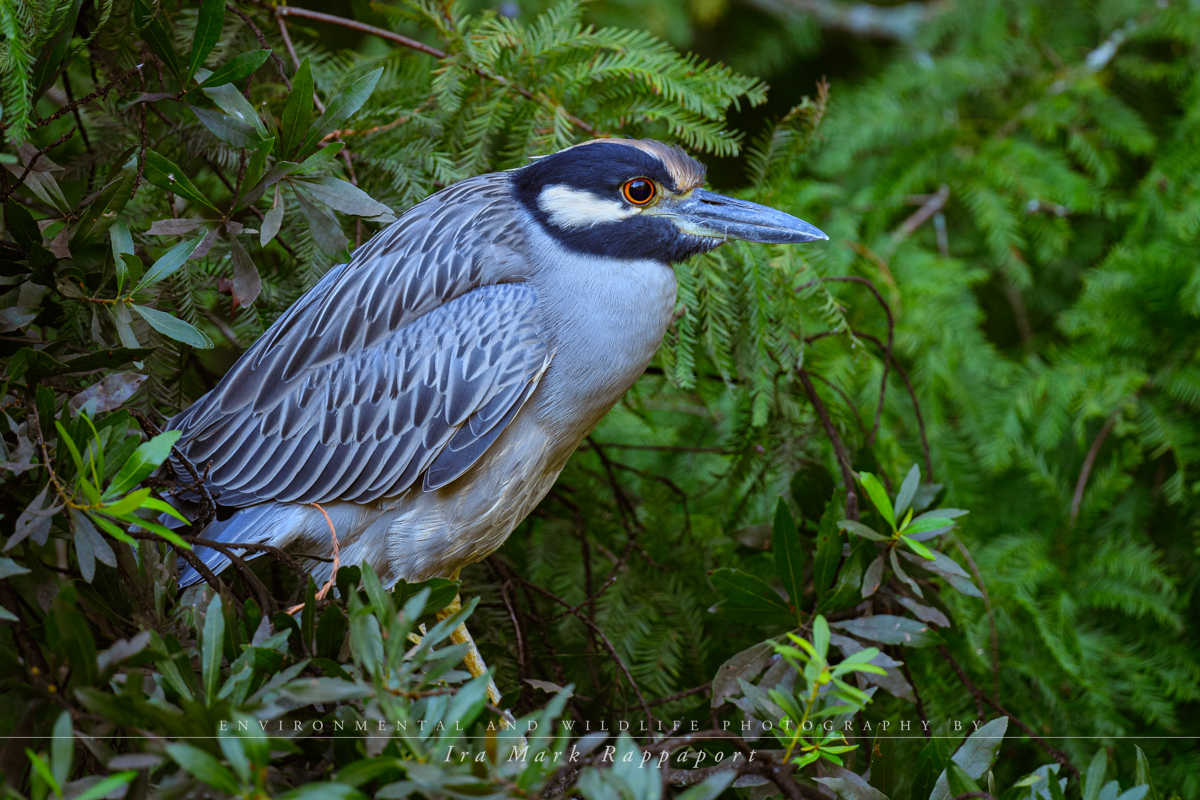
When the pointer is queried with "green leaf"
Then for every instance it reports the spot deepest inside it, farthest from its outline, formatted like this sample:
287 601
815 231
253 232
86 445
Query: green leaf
122 242
163 173
908 490
340 108
319 159
879 497
203 766
812 487
1143 776
297 111
820 638
873 577
163 531
110 201
926 524
90 545
174 327
326 232
231 101
155 504
127 504
246 281
257 163
54 52
918 548
226 128
209 23
1093 779
789 554
329 790
883 764
158 37
858 529
22 226
343 196
712 787
889 629
112 358
211 649
236 69
43 771
749 596
930 763
829 546
147 458
168 263
107 785
975 757
272 220
959 781
62 748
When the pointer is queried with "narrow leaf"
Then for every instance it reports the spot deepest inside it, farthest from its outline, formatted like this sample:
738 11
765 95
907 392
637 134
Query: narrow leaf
163 173
341 107
175 328
208 32
789 554
246 281
297 112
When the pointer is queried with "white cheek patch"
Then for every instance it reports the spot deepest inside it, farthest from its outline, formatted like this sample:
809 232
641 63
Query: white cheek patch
576 208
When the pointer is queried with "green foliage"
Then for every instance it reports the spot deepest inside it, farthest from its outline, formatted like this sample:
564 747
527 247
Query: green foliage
745 539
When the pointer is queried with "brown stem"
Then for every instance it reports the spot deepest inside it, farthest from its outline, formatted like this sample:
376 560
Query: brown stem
1054 752
1088 462
839 448
891 335
608 645
29 167
932 206
916 697
987 604
70 107
262 40
911 393
413 44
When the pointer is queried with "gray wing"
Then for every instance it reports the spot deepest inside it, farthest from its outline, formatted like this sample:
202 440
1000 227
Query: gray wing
395 367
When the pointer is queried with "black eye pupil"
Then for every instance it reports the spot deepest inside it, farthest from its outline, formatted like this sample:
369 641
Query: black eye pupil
640 191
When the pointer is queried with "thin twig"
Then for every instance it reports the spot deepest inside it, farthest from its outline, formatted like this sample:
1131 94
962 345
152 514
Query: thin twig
891 336
29 167
839 449
69 107
987 604
413 44
1088 462
262 40
932 206
916 698
1054 752
608 645
911 393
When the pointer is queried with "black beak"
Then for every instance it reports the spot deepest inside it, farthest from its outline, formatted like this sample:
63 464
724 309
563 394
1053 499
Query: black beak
707 213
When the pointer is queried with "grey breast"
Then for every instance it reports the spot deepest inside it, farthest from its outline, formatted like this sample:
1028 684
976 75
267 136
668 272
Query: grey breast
404 364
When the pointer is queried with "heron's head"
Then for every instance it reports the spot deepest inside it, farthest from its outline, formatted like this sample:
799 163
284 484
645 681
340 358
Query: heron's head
627 198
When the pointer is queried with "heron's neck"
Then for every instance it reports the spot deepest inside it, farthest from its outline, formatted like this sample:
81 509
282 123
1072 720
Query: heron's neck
605 318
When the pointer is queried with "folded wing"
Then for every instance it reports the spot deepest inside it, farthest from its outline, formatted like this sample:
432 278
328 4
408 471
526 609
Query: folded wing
399 366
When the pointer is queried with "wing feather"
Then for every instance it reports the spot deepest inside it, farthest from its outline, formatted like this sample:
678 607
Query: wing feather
387 363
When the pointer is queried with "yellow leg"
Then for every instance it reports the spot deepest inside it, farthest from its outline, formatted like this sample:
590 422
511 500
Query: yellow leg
472 659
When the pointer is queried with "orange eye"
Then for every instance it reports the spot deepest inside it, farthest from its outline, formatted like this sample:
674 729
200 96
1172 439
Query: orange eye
639 191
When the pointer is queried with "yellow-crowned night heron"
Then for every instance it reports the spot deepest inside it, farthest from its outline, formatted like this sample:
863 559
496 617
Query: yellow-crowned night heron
426 395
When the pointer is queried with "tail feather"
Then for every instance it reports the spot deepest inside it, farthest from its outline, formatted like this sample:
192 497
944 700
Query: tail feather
251 525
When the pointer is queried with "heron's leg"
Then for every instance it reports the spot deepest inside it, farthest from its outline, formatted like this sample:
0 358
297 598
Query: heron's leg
472 659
